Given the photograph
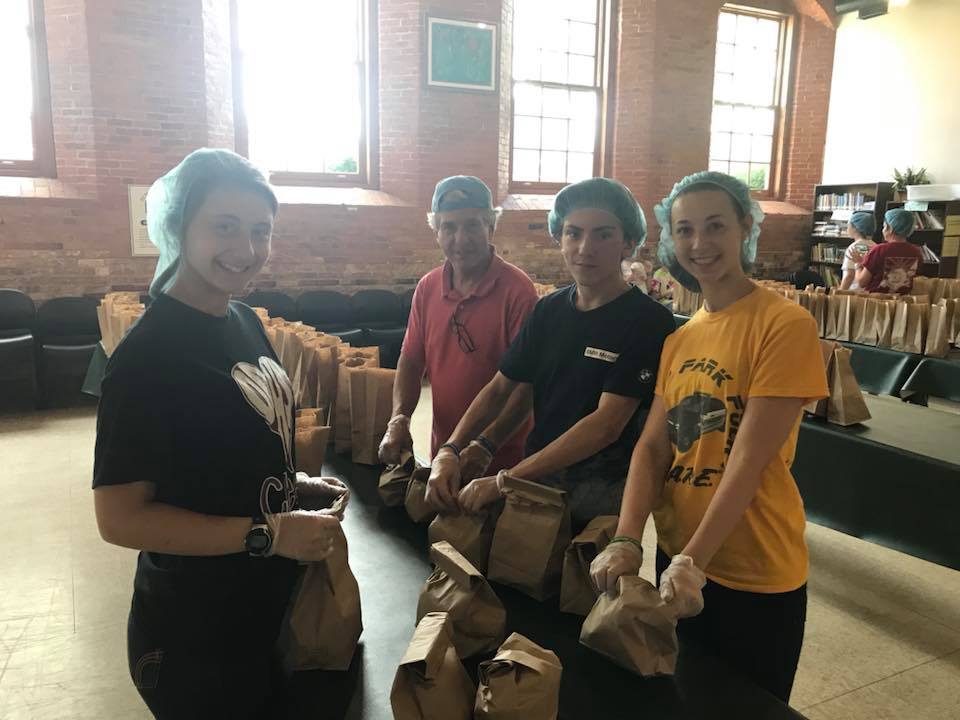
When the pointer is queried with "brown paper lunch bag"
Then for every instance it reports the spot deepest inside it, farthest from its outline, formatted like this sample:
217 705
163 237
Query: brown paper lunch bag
918 315
883 322
311 444
843 317
953 308
866 330
832 313
392 486
431 683
414 501
522 682
324 620
342 430
371 407
846 405
530 538
819 407
937 344
634 628
478 620
470 533
577 591
898 333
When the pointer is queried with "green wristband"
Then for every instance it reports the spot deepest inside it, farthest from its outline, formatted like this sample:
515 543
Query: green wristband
627 539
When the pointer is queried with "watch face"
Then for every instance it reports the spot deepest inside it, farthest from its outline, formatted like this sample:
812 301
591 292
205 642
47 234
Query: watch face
258 541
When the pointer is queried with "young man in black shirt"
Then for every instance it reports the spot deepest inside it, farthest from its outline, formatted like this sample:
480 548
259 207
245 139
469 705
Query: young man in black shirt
586 360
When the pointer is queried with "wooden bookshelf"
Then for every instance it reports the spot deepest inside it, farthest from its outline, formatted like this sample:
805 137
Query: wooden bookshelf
948 213
846 198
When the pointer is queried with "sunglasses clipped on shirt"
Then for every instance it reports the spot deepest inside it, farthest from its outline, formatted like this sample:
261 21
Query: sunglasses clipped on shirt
460 330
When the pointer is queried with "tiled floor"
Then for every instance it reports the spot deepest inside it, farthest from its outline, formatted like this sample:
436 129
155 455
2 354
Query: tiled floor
883 631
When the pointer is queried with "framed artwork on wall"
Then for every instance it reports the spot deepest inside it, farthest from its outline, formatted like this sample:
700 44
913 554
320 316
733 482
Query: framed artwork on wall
461 54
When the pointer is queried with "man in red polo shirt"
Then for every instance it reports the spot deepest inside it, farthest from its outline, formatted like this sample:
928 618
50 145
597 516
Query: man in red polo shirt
463 317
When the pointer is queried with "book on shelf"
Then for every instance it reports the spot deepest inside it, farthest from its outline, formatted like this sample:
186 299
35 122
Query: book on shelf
825 252
844 201
831 276
951 246
829 228
929 256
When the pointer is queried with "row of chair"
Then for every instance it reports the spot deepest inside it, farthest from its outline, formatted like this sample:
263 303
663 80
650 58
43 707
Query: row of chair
45 351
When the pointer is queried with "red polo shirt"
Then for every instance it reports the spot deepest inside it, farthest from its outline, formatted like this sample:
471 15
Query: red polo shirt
488 318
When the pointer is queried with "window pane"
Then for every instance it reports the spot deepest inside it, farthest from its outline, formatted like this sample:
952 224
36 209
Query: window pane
581 70
768 34
742 119
16 81
553 166
554 68
746 26
740 170
583 38
526 63
763 120
283 45
720 146
724 58
526 132
556 103
722 118
762 148
579 166
759 177
583 134
583 105
740 146
585 10
554 134
723 87
720 166
526 165
526 99
727 29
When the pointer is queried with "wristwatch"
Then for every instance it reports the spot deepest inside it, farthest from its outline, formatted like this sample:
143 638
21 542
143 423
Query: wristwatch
259 538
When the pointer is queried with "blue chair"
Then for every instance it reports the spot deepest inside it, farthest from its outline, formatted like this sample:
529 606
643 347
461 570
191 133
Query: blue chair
18 374
67 334
330 312
278 304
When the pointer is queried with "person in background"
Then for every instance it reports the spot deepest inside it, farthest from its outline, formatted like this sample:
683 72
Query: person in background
463 317
861 227
891 267
585 362
637 272
194 460
713 463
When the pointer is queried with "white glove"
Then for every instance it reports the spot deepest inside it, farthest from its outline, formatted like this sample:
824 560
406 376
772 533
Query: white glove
328 492
681 586
474 461
479 493
303 535
444 482
620 557
395 440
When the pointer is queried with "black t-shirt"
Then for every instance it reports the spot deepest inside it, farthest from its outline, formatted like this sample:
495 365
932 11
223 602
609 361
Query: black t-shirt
199 406
572 357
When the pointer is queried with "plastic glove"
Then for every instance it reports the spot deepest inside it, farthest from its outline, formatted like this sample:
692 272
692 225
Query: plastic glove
444 482
681 586
479 493
616 559
303 535
474 461
323 493
395 440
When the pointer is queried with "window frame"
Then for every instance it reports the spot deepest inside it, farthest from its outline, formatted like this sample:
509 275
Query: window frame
44 162
604 74
368 164
781 95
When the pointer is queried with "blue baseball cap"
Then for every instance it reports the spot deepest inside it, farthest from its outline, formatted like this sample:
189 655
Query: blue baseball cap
461 191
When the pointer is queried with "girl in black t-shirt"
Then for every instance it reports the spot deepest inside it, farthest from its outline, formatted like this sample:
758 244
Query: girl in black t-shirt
194 460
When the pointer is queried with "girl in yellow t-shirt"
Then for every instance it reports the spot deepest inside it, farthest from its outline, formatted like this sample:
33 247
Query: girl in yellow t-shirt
713 463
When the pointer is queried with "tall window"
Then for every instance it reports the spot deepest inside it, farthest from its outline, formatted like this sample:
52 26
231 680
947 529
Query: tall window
557 53
747 91
26 136
301 80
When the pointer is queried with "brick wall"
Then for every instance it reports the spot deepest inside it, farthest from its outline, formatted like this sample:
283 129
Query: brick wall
136 84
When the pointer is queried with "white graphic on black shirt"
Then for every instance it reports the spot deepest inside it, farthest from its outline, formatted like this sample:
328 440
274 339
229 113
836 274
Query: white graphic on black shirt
268 391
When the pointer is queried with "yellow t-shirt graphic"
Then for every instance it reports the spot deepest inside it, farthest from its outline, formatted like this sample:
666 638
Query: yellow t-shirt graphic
760 346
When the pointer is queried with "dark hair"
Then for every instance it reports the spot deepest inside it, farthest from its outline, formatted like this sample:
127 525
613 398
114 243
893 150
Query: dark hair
209 170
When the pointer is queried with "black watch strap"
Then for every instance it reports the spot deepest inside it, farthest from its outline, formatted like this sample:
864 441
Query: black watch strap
259 540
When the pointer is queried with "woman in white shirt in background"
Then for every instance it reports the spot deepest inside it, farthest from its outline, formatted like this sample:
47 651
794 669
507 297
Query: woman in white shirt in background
861 227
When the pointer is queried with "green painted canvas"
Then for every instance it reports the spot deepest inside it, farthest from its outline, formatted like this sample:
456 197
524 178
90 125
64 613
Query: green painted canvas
462 55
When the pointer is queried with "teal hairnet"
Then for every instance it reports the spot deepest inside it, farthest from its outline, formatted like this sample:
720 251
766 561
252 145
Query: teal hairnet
864 222
746 205
174 198
601 194
900 221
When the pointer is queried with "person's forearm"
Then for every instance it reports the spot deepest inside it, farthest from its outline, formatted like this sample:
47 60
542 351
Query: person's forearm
588 437
406 386
484 409
863 277
847 281
643 489
513 416
161 528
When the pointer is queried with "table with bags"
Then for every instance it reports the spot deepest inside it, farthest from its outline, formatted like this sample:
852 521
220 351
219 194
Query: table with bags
435 627
893 479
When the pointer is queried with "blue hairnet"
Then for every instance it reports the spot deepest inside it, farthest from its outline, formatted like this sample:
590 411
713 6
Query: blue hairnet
740 194
900 221
864 222
602 194
174 198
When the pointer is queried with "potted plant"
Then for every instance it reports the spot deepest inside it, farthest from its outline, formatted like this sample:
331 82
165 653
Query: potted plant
908 177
